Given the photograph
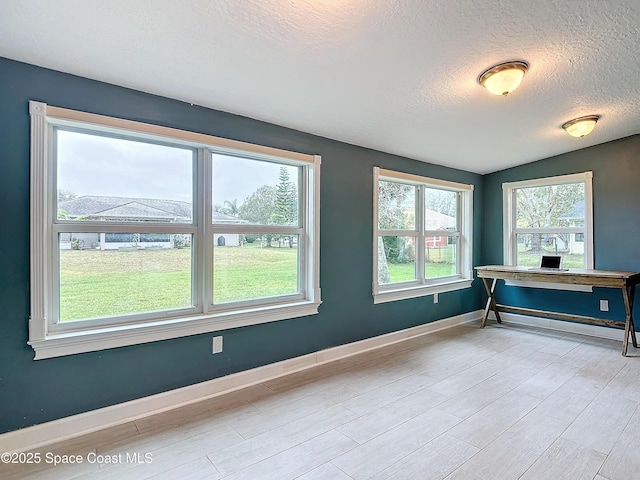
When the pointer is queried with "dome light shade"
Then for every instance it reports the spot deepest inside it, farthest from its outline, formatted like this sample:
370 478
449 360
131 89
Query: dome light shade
579 127
504 78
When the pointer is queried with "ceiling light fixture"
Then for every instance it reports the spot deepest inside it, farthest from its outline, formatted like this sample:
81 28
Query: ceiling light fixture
579 127
504 78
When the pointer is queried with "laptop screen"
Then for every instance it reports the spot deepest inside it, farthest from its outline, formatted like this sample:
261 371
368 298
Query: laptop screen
550 261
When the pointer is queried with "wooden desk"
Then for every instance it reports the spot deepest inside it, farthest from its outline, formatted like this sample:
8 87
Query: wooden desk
625 281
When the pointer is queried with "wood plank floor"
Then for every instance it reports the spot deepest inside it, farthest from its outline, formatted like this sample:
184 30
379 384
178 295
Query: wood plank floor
506 402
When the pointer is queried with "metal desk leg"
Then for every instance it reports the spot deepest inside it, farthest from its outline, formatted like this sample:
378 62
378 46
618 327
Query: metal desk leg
491 301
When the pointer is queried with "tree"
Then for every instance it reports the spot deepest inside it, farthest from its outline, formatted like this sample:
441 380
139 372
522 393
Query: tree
393 214
258 208
286 206
66 195
544 207
229 208
441 201
391 201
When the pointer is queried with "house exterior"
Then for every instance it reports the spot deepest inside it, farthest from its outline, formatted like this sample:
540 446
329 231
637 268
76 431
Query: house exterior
438 221
115 209
575 218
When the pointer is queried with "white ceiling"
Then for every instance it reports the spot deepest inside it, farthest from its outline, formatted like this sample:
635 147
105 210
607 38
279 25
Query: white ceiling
397 76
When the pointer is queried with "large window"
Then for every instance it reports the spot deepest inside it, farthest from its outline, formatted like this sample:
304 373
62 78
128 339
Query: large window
549 216
422 236
141 233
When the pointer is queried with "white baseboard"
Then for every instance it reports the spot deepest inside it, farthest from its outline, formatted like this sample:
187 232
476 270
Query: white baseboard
47 433
562 326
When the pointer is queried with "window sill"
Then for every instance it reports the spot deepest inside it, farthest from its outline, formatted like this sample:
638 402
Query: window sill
71 343
419 291
549 286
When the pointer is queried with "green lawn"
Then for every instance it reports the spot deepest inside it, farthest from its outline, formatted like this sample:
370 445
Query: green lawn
526 259
440 263
97 283
242 273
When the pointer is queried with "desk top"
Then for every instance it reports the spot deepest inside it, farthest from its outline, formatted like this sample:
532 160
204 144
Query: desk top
575 276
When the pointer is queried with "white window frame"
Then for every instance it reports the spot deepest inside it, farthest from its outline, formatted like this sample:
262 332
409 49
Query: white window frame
51 339
510 229
422 286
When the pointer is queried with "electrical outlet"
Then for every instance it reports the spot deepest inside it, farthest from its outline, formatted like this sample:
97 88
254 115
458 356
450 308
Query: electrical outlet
435 298
604 305
217 345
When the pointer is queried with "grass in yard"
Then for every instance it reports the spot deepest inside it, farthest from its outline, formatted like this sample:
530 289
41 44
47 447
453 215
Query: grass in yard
527 259
440 263
96 283
242 273
402 272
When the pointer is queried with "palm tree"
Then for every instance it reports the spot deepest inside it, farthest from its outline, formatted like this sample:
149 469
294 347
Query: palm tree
231 207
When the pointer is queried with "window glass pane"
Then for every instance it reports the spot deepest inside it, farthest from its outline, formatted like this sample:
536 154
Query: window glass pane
103 275
396 259
112 179
550 206
253 266
531 247
254 192
396 206
441 209
440 254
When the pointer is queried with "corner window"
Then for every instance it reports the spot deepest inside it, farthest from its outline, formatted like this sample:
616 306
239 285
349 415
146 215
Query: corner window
142 233
422 236
549 216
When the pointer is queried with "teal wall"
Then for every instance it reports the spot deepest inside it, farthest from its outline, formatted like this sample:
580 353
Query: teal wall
616 215
33 392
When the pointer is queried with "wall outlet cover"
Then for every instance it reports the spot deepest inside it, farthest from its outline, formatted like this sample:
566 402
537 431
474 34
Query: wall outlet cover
217 345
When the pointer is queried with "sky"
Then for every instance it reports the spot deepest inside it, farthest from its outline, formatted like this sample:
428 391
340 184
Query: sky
105 166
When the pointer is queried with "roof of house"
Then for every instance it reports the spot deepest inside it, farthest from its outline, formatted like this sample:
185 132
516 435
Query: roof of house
93 206
437 221
126 207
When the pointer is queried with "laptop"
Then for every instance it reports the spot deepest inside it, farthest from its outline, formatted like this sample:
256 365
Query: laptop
550 262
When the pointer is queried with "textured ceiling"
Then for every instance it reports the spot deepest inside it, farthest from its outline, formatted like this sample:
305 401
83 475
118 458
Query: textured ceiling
397 76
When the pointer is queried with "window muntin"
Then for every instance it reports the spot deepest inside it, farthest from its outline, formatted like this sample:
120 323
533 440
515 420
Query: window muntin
412 211
549 216
149 159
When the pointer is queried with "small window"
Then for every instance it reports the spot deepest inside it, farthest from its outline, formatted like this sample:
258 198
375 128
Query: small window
422 237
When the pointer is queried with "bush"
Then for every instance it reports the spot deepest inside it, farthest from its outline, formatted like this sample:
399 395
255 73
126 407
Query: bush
77 244
397 250
250 238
